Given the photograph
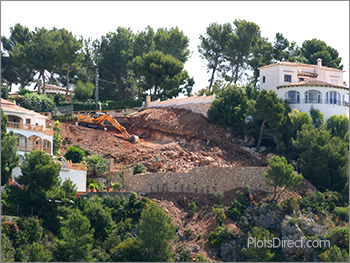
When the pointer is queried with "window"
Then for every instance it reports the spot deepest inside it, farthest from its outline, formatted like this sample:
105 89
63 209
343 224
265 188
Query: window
264 79
313 96
287 78
333 97
293 97
346 100
301 79
27 121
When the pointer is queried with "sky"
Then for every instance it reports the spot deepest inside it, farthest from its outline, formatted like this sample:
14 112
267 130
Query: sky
296 20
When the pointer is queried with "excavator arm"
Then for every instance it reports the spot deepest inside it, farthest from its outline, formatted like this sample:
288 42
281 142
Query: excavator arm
117 125
98 122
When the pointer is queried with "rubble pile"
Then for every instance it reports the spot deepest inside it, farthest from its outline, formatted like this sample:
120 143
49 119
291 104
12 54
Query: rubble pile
171 140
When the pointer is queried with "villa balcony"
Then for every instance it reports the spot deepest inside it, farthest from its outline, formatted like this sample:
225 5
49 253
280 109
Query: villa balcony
22 126
29 127
73 166
313 101
28 148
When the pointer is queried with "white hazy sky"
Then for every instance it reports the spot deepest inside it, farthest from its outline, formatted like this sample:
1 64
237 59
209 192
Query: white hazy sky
296 20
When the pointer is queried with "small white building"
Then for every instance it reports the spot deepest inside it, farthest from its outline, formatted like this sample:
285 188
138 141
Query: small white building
306 86
32 133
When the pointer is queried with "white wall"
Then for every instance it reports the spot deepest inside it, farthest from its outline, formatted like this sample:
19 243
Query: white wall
78 177
327 109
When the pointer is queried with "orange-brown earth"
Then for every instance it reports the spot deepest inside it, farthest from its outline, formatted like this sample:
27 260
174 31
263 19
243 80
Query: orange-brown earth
175 140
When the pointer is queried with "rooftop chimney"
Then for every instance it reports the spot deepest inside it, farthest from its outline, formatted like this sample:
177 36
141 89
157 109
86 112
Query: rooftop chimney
319 66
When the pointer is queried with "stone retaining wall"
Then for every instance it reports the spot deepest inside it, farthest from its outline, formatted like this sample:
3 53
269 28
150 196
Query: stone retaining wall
205 180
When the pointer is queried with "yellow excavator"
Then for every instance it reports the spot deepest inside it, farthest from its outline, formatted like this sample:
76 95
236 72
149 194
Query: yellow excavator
98 123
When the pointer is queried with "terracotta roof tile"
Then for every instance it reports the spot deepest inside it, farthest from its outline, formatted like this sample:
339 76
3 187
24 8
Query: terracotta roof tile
312 83
8 105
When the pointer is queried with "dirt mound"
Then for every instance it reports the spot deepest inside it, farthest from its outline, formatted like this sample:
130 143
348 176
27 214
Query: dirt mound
175 123
171 140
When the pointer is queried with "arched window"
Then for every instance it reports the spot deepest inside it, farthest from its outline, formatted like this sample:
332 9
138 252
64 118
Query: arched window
346 100
333 97
313 96
293 97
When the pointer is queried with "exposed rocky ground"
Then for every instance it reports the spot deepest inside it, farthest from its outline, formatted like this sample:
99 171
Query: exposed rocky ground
177 140
171 140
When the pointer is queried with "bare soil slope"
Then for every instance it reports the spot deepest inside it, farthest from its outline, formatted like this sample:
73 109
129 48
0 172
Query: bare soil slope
172 140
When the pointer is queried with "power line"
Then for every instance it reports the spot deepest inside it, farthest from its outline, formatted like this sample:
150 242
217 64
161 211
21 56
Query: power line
108 81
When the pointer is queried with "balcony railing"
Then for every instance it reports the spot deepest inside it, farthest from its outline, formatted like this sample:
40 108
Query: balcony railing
48 131
22 126
74 166
314 101
294 101
334 102
25 147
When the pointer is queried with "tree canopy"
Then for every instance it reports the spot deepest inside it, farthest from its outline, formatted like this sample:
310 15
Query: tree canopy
162 73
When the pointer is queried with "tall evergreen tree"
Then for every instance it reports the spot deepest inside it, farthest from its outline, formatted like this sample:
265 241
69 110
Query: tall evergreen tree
212 47
156 232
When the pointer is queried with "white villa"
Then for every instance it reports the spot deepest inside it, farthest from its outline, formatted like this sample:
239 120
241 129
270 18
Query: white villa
53 89
33 134
306 86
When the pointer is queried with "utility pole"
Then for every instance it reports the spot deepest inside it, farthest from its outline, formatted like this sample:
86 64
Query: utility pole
96 89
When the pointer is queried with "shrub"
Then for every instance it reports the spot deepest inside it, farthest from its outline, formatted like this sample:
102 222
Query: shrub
261 254
139 168
289 205
68 117
342 212
220 236
188 233
220 216
229 107
339 236
238 206
320 202
183 254
193 209
96 165
219 196
200 258
334 254
75 154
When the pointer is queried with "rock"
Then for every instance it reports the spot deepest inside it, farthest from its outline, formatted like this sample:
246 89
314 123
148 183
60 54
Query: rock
262 149
196 249
297 229
134 139
229 252
265 218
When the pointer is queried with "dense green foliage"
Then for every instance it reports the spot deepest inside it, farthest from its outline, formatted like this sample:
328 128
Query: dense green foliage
139 168
75 154
281 174
220 236
39 103
156 232
9 156
330 169
83 91
257 253
314 49
229 109
162 73
57 138
96 165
